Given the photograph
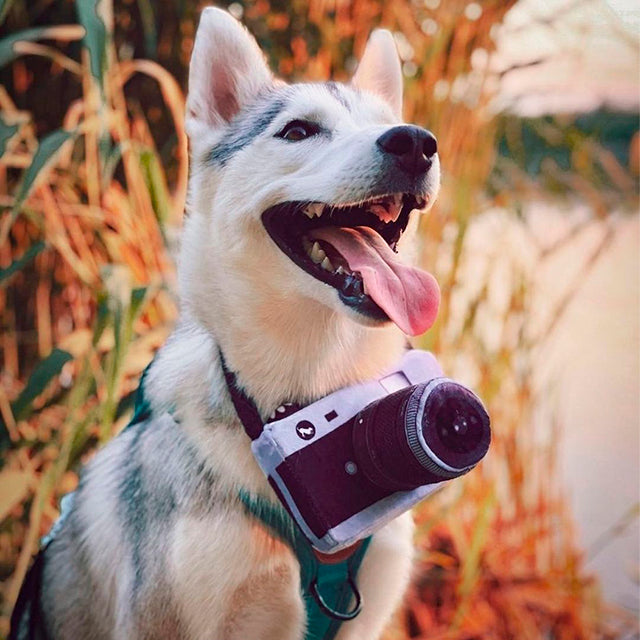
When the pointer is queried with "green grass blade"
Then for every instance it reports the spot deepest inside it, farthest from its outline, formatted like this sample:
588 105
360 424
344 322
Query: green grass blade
148 27
154 178
7 131
18 264
137 299
95 38
8 43
471 563
102 318
5 5
48 148
42 375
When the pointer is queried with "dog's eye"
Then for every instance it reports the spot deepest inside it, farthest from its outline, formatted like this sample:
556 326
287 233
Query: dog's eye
297 130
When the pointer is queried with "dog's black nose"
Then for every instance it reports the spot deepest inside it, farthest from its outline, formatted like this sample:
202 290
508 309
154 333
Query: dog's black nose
413 147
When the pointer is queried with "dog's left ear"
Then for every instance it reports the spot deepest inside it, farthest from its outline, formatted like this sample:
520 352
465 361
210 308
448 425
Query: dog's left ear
379 70
227 71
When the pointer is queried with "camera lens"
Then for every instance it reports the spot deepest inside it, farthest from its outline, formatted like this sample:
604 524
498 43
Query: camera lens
448 428
456 431
420 435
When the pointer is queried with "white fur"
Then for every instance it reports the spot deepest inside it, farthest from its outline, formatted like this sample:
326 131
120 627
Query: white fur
107 562
234 581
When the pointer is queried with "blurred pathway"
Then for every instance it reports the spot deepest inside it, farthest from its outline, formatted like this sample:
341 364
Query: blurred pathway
595 359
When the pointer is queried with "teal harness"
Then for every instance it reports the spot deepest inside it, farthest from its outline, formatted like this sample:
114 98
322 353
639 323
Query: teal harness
325 587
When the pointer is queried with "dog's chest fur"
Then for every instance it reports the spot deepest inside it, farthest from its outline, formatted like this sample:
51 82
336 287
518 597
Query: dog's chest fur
159 539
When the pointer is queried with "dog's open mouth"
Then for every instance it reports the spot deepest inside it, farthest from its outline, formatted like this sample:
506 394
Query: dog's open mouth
353 249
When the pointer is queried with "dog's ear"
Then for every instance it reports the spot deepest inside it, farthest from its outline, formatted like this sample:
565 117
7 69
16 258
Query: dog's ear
379 70
227 70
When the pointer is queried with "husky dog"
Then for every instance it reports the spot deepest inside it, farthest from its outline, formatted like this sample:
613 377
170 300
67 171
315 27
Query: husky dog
302 200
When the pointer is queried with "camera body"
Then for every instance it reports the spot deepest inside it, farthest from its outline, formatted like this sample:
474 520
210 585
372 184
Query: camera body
356 459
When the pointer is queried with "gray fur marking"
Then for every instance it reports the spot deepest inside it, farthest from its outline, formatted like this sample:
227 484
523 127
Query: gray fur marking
339 93
134 503
247 126
151 495
250 123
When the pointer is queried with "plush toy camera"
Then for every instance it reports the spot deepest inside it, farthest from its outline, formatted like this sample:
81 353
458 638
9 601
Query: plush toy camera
349 463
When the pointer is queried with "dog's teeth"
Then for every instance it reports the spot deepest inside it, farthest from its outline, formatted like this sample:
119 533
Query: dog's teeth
340 270
386 213
314 209
326 264
317 254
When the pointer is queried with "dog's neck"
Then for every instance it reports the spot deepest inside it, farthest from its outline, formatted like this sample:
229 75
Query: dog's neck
306 354
275 363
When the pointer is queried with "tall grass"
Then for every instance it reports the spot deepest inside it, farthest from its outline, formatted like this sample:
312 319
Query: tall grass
88 283
87 289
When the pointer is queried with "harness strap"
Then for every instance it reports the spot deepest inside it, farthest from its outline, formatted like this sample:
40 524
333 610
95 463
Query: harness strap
327 589
244 406
27 622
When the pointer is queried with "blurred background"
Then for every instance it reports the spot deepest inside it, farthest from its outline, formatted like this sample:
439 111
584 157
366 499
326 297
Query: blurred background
535 242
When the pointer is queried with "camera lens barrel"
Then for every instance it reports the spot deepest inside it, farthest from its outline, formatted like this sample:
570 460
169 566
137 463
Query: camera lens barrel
421 434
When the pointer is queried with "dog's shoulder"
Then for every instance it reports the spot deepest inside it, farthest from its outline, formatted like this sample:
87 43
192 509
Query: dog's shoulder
184 372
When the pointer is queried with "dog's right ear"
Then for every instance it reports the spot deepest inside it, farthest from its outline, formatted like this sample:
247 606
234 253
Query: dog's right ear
227 70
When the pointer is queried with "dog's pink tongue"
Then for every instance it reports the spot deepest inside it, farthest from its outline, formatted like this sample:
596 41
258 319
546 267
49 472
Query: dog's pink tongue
409 296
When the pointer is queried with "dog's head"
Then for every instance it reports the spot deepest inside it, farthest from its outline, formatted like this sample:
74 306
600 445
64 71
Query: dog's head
302 194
